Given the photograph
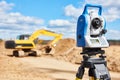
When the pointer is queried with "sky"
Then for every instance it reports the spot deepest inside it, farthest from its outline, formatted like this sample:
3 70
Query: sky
26 16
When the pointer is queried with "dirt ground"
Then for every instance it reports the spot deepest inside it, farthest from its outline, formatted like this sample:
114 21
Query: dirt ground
61 66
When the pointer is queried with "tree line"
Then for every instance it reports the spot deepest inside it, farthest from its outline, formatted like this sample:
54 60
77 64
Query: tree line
114 42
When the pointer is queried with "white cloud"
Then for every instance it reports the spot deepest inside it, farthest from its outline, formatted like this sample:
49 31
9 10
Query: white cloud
66 27
109 3
14 19
60 23
5 6
19 18
15 22
113 34
70 10
112 14
111 8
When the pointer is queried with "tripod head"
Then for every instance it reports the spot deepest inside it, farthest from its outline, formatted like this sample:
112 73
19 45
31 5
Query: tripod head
88 52
92 51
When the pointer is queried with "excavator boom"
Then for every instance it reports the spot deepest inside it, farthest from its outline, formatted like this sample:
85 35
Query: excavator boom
46 33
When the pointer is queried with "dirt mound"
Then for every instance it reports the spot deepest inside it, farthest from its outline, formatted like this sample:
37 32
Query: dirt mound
64 46
66 50
113 58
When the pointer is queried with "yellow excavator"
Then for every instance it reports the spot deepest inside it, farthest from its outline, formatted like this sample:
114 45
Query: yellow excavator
26 44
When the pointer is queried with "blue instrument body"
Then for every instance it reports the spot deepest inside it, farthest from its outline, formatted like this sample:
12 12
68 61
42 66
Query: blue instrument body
83 28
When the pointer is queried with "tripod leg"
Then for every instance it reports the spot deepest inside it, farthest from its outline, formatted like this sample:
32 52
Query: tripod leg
91 74
80 73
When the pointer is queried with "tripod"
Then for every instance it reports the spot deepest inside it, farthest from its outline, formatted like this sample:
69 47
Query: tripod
97 65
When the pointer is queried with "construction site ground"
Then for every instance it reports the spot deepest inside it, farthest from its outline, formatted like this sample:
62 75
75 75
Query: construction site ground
62 65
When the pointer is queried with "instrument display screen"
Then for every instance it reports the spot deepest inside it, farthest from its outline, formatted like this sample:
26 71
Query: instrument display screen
94 41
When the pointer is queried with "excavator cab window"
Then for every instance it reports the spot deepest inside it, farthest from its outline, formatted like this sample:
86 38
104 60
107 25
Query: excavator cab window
23 37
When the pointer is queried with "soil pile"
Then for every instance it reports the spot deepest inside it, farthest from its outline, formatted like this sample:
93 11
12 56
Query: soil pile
64 46
113 58
66 50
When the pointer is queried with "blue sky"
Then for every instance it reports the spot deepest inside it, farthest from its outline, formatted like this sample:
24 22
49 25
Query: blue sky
26 16
45 9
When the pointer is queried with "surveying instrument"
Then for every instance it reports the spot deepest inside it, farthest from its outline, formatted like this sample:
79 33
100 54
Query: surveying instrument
91 29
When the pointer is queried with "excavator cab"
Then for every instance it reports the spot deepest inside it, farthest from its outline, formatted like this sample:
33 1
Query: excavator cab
26 37
23 37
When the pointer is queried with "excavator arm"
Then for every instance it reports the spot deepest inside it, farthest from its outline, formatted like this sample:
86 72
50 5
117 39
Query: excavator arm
47 33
